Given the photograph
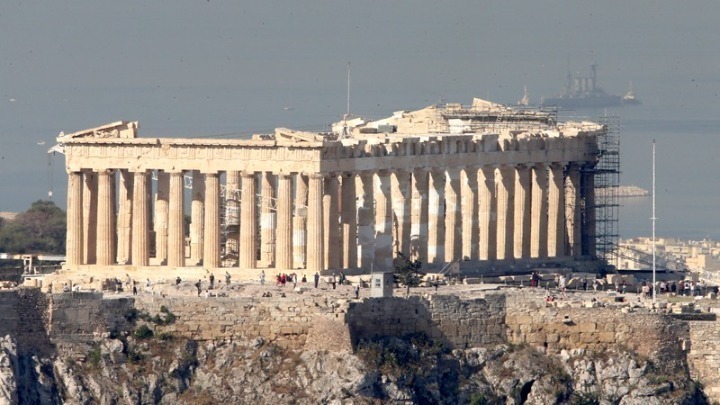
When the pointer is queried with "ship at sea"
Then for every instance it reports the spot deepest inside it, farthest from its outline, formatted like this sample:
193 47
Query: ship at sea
584 92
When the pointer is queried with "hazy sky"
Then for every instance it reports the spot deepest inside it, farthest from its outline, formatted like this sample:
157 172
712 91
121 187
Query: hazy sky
198 67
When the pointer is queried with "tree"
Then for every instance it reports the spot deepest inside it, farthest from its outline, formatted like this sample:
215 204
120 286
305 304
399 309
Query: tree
40 229
407 272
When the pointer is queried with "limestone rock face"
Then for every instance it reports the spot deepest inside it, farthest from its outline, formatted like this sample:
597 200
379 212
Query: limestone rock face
391 370
8 370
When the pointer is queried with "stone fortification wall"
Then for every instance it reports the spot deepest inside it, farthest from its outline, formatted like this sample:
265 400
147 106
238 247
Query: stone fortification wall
557 328
462 323
704 355
285 322
25 316
84 314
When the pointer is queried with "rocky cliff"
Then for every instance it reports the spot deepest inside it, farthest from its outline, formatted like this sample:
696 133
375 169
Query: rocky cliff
86 349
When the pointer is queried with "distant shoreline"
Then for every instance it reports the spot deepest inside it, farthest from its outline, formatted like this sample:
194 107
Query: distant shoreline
625 191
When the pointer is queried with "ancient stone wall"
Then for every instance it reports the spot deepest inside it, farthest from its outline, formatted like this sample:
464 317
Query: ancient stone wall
704 355
458 322
38 319
285 322
657 337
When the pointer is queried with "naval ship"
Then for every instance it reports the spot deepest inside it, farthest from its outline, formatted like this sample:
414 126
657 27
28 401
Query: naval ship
583 92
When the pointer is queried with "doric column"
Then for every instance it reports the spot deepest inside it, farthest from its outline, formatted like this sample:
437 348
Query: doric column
556 211
248 230
300 221
90 206
573 211
211 221
487 208
453 239
267 220
232 213
160 225
124 218
315 223
105 220
383 221
401 199
588 206
522 212
419 215
436 217
366 220
197 207
284 230
505 224
330 223
176 217
349 221
74 237
539 210
140 220
468 192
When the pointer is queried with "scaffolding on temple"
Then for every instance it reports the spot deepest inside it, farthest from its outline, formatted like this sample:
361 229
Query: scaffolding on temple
606 183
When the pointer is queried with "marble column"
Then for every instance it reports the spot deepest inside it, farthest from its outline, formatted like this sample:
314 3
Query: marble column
453 226
505 225
366 220
487 214
539 210
331 223
401 200
267 220
176 222
232 213
197 207
556 211
315 224
383 222
74 237
469 208
211 221
124 218
248 228
105 219
589 232
90 206
300 222
348 215
140 220
160 224
436 215
522 212
573 211
419 215
284 230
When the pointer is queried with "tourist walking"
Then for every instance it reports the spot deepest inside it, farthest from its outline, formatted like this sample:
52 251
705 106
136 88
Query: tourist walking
212 281
317 279
227 278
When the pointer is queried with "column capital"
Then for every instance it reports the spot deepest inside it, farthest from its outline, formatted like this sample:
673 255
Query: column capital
246 173
283 175
316 175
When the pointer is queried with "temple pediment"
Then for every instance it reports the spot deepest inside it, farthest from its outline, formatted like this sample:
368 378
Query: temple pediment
119 129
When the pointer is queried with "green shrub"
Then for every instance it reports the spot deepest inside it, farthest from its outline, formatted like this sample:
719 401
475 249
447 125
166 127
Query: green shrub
94 356
143 332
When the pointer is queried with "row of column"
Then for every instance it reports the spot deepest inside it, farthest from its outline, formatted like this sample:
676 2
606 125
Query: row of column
331 221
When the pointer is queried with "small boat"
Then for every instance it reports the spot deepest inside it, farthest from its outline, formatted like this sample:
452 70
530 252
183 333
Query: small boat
629 97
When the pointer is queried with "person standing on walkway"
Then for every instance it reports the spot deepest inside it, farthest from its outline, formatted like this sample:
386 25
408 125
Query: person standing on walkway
317 279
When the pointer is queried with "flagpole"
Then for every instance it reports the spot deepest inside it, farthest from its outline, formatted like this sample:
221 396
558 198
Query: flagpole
653 223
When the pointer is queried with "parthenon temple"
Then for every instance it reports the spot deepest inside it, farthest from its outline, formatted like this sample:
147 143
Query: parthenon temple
479 183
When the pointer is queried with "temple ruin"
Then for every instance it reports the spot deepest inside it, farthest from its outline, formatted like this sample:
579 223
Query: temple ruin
481 183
